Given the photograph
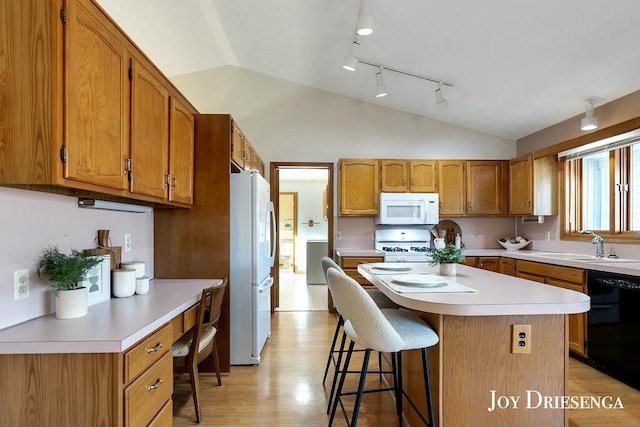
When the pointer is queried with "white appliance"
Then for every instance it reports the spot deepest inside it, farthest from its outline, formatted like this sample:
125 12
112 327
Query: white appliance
404 245
252 255
408 209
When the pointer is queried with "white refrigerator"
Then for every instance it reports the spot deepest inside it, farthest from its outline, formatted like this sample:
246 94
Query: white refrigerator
252 255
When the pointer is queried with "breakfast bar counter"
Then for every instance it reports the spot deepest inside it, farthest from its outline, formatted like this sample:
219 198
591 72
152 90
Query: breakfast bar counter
481 376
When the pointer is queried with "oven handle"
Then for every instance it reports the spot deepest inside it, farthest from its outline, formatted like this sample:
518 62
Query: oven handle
601 306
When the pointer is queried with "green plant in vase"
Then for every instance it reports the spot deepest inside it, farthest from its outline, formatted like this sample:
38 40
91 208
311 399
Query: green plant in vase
447 258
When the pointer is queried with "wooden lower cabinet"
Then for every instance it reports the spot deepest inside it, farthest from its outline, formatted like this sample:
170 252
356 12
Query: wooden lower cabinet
350 267
483 262
574 279
79 389
507 266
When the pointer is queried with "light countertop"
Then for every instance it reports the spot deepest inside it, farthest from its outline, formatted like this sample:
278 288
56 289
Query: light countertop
111 326
497 295
358 252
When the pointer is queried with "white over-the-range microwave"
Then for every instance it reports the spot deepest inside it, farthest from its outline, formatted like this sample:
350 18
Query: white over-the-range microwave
408 209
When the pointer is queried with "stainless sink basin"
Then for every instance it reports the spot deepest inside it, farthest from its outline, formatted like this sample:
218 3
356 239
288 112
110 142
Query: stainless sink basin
583 257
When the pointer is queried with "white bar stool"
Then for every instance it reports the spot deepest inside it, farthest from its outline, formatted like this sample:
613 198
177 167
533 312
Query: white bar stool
382 330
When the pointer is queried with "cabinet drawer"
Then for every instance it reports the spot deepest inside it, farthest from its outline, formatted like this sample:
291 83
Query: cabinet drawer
146 396
567 274
357 277
183 322
164 417
146 352
354 262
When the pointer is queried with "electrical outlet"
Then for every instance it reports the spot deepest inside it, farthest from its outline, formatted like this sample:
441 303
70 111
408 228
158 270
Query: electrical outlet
20 284
338 235
127 242
521 339
547 236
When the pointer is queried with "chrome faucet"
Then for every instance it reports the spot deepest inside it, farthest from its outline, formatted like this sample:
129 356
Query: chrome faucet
598 241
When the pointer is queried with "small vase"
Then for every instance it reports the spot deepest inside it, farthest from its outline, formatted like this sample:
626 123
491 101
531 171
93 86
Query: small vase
448 269
72 303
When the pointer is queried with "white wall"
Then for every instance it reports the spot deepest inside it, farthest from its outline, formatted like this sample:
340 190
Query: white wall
30 221
310 197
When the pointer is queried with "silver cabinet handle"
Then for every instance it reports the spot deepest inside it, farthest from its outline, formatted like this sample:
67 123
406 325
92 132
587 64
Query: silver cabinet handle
155 348
156 385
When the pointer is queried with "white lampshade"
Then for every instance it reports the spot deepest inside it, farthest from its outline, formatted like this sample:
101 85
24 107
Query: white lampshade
351 60
364 26
589 123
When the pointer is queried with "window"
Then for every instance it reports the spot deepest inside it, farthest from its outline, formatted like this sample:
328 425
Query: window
602 190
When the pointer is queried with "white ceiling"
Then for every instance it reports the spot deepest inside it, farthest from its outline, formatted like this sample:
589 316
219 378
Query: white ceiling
517 66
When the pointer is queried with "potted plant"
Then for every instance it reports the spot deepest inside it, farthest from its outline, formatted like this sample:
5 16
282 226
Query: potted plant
447 258
65 273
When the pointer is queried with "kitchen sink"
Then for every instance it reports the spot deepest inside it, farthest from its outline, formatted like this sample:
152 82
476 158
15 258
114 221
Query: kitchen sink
582 257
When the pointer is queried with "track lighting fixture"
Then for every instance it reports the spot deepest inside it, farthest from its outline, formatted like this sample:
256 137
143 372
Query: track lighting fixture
441 103
364 26
381 90
589 122
351 61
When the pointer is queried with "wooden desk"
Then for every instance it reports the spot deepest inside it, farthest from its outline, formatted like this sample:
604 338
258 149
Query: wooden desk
474 360
101 369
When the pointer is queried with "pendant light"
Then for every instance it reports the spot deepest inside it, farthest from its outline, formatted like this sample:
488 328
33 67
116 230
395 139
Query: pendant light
351 61
589 122
364 26
381 90
441 103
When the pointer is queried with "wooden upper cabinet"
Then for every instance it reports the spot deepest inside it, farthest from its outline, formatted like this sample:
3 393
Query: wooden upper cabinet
237 145
424 176
149 134
394 176
181 153
96 101
451 187
521 185
533 185
486 187
359 187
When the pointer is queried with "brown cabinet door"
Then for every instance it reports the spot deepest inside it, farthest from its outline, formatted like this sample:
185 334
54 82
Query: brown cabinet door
149 134
507 266
359 187
486 187
393 176
521 185
181 153
451 187
488 263
471 261
424 176
237 145
577 322
96 101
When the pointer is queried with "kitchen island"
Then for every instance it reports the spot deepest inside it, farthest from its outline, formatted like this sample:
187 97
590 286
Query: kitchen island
111 367
479 376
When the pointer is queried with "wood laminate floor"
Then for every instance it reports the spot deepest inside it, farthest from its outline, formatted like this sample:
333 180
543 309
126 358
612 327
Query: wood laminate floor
286 388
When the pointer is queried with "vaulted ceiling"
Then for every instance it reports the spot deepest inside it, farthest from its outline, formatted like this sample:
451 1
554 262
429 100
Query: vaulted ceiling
516 66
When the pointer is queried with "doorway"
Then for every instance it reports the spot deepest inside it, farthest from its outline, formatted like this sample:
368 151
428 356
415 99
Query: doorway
303 203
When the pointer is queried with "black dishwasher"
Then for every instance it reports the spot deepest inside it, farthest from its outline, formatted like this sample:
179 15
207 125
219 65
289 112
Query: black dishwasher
613 331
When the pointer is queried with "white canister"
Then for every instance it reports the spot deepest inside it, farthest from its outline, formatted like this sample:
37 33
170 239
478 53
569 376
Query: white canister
138 266
142 285
123 282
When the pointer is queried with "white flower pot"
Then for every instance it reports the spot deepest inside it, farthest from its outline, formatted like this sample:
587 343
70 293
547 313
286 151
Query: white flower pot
448 269
71 304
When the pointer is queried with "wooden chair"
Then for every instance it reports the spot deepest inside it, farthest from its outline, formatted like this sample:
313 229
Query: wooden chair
200 342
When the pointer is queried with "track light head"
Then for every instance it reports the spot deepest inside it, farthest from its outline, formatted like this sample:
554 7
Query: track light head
381 90
441 103
364 26
351 61
589 121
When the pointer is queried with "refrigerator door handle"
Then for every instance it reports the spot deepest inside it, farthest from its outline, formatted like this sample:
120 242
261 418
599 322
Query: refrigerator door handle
265 286
274 231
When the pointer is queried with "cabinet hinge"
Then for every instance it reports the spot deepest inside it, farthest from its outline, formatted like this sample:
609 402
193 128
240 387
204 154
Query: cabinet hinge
63 14
63 154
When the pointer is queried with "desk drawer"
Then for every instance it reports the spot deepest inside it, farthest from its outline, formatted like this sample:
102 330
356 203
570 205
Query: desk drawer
147 395
164 417
147 352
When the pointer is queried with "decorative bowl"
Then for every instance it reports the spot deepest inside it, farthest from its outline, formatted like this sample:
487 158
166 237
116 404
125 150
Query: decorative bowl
514 246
